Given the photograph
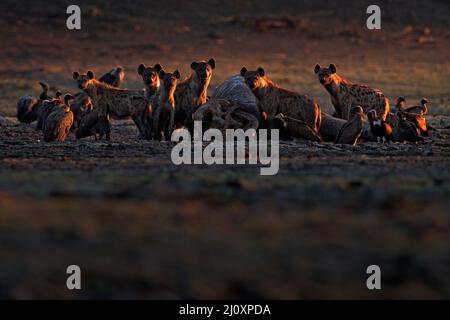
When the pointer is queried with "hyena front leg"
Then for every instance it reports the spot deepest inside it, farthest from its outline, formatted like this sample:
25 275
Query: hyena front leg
190 121
104 126
156 126
147 123
138 121
170 126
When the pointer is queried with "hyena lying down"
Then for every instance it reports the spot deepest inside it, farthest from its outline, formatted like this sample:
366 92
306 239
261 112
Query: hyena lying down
119 103
345 95
274 100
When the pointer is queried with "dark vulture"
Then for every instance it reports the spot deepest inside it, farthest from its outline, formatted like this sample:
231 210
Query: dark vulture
59 120
379 128
114 77
352 129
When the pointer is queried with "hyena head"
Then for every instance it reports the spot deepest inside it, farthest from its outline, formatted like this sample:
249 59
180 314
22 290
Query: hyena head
254 79
203 70
326 75
169 81
150 75
83 80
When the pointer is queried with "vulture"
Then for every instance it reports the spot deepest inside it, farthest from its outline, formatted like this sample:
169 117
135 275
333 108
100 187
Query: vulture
381 129
352 129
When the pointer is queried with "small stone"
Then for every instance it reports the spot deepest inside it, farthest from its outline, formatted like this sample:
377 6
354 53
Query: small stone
3 122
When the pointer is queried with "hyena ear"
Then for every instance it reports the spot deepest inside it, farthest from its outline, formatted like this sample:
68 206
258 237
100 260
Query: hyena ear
317 68
141 68
212 63
261 72
161 73
75 75
332 68
243 71
177 74
194 65
90 75
157 67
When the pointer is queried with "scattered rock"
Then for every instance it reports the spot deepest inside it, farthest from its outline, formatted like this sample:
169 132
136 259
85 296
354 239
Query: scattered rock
3 122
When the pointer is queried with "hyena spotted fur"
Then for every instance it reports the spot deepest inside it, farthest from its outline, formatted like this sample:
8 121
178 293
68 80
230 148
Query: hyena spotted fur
274 100
150 77
345 95
192 92
163 104
119 103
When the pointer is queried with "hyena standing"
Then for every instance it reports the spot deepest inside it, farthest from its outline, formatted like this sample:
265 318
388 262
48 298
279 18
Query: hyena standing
345 95
274 100
192 92
119 103
164 106
150 76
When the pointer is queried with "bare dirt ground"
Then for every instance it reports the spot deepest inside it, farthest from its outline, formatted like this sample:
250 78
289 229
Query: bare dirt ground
141 227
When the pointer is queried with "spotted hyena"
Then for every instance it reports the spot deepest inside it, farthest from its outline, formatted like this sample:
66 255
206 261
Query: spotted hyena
164 106
274 100
345 95
150 77
193 92
118 103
